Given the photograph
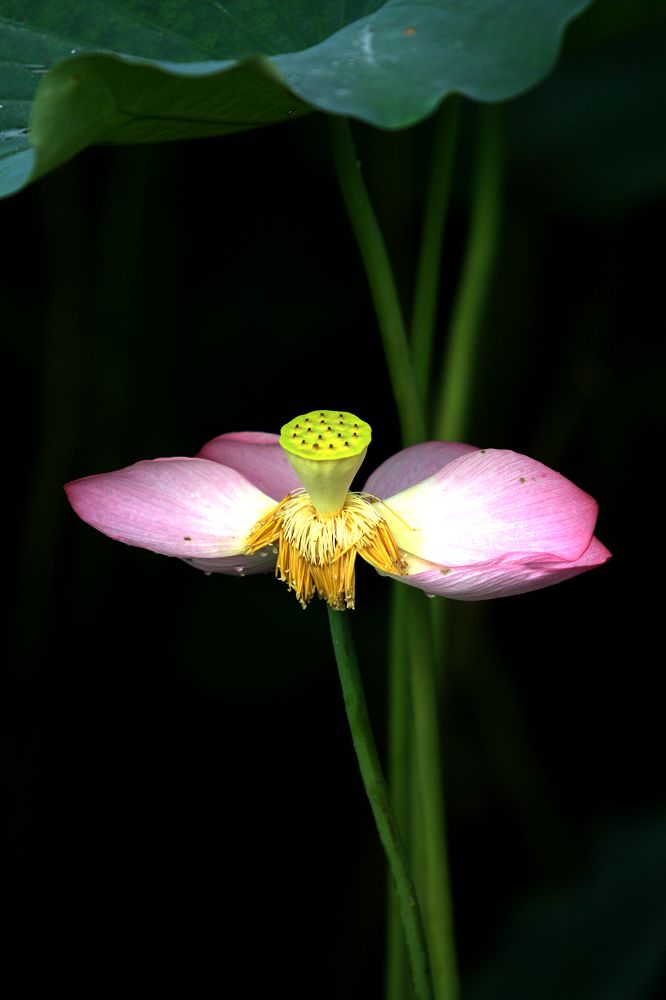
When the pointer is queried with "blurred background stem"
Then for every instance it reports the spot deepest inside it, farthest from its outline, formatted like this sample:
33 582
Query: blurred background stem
381 281
452 403
428 271
60 378
420 769
57 370
399 751
453 392
436 891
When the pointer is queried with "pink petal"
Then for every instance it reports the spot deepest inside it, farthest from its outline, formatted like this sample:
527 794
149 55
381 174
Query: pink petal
258 457
489 505
411 465
261 562
179 506
501 578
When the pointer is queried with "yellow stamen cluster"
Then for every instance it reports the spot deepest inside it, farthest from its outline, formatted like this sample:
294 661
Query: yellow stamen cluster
317 551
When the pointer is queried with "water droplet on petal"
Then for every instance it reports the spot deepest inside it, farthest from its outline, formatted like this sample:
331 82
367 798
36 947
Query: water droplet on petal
431 596
240 570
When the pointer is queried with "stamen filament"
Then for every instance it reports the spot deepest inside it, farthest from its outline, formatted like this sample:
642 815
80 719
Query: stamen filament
317 551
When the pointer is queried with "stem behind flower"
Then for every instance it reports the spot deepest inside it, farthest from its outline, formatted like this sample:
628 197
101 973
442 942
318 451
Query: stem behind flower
380 279
453 396
380 802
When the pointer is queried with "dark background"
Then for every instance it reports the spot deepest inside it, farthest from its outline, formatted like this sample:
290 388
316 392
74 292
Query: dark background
182 796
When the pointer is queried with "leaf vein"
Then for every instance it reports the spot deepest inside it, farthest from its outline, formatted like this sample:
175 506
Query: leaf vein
157 27
266 48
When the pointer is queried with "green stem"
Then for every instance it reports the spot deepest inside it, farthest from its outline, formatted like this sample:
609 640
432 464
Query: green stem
455 381
436 891
397 979
57 357
381 281
54 445
378 796
428 272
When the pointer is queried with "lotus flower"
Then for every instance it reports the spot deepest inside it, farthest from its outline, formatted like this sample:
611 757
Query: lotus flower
447 518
